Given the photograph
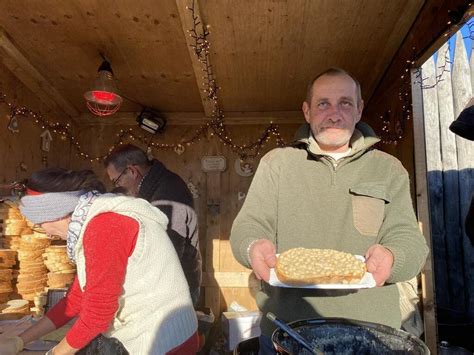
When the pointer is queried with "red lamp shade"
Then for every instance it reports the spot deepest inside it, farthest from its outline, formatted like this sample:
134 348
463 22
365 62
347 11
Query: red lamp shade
103 99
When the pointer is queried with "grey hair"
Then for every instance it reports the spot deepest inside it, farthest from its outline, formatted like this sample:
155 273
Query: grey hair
125 155
334 71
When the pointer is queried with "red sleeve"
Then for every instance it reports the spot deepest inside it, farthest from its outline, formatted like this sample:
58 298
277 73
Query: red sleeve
108 242
68 307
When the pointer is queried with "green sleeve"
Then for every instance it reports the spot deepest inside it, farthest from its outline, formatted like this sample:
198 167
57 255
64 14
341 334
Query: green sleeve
400 232
258 216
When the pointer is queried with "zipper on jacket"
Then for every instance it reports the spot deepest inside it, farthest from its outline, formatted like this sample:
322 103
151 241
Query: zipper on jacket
333 166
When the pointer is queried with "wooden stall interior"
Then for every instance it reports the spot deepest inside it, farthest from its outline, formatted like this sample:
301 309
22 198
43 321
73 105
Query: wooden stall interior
229 78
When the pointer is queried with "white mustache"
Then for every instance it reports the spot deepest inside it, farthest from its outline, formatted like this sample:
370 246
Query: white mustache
332 126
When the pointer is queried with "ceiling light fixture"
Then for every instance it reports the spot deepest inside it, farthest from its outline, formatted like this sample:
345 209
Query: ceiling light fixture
150 121
103 98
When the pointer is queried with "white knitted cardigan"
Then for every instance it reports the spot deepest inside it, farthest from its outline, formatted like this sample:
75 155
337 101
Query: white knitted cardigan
155 311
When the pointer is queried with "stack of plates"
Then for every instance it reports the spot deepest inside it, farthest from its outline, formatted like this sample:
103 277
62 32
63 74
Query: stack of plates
32 273
62 271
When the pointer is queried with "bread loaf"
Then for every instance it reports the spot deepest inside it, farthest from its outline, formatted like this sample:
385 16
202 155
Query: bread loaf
301 266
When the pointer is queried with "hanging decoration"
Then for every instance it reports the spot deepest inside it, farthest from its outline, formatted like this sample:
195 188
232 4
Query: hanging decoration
149 153
193 189
242 168
13 124
46 139
179 149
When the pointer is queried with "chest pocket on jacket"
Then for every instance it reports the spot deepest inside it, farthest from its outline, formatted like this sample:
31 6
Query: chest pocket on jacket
368 207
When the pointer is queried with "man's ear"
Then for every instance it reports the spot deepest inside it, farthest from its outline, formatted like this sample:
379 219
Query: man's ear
306 108
134 170
360 108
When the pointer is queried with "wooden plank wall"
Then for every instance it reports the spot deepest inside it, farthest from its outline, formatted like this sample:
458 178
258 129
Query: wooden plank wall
220 194
450 170
220 198
20 153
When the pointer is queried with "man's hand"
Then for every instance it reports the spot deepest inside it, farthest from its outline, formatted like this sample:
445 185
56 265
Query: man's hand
262 258
379 261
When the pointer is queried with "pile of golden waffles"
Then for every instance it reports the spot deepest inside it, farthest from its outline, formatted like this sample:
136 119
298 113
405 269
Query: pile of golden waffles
61 270
13 225
32 273
26 261
7 262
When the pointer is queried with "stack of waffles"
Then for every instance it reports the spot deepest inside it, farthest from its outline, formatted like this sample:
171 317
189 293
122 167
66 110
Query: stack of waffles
61 270
32 274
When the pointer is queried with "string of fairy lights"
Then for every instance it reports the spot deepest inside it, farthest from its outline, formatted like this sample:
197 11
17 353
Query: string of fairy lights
393 123
201 47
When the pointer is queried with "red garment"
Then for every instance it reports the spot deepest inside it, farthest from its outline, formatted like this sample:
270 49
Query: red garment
109 240
189 347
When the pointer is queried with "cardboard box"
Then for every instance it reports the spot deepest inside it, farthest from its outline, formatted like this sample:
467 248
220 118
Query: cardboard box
238 326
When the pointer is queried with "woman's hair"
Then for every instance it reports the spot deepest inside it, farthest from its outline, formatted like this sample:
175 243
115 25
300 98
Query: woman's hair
60 180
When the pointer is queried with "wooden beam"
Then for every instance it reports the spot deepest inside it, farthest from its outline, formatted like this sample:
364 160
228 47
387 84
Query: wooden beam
432 22
19 65
198 118
187 24
422 203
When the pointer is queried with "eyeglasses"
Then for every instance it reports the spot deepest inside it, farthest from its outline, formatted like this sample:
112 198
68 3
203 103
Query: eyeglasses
116 181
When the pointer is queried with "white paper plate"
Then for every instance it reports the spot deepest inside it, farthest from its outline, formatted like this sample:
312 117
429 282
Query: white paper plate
366 282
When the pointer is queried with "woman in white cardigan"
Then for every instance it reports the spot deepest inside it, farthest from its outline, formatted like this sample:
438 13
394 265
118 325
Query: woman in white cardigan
130 294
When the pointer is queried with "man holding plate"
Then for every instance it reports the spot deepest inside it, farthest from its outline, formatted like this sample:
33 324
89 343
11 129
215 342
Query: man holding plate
331 189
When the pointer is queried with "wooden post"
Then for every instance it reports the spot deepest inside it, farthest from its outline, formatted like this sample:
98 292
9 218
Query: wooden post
212 293
435 178
428 296
462 93
447 148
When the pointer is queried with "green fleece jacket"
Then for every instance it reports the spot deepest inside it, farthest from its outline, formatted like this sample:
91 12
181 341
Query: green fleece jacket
300 197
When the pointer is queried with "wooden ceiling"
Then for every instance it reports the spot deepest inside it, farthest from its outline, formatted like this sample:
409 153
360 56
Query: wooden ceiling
263 52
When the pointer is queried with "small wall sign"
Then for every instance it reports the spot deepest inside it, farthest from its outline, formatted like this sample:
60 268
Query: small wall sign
213 163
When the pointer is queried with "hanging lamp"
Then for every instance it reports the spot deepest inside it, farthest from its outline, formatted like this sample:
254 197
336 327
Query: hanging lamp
103 98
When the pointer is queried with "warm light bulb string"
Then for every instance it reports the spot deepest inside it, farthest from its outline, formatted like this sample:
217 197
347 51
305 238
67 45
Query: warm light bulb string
392 130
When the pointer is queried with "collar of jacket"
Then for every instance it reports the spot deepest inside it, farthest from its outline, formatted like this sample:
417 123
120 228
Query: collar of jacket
151 180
